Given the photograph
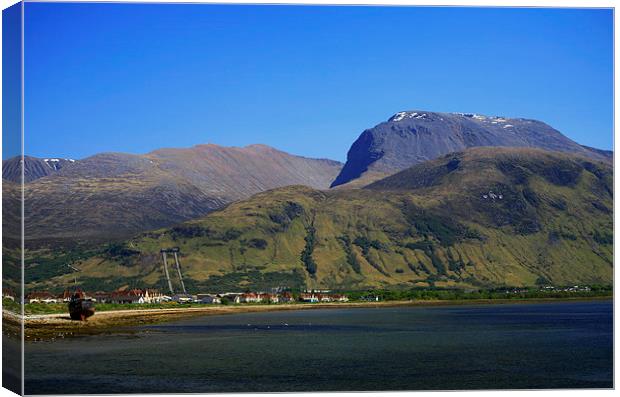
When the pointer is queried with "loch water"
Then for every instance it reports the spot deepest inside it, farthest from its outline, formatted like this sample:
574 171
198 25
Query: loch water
495 346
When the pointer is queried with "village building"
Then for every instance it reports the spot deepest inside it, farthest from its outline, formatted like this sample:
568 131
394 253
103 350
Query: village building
324 298
127 296
153 296
232 297
248 297
340 298
136 295
8 293
285 297
209 298
41 297
102 297
183 298
306 297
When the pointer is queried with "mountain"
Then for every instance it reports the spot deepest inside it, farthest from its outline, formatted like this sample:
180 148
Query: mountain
34 168
113 195
412 137
232 173
482 217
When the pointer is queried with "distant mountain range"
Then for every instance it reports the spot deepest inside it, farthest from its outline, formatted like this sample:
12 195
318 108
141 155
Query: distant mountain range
482 217
111 195
412 137
424 199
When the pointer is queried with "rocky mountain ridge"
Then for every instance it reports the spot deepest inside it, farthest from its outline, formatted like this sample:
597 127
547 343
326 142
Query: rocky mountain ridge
412 137
114 195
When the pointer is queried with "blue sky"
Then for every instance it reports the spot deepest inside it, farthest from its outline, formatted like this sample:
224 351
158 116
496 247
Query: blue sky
11 78
304 79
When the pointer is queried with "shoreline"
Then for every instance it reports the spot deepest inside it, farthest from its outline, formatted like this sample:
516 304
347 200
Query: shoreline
55 326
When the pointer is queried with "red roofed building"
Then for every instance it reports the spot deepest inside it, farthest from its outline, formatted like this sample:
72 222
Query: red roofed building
248 297
41 297
286 297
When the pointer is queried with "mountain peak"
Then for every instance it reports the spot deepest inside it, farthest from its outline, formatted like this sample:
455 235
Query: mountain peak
430 116
400 116
414 136
34 167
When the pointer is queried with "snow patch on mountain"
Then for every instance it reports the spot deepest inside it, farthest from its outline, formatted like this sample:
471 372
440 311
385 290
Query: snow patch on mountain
408 115
55 163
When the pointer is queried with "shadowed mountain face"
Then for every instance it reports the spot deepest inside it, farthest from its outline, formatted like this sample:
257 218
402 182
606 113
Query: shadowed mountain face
34 168
412 137
111 195
481 217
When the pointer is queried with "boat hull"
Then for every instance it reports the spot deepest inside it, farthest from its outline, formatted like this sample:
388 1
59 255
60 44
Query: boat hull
81 309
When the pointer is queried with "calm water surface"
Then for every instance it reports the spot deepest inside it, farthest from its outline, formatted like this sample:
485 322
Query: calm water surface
550 345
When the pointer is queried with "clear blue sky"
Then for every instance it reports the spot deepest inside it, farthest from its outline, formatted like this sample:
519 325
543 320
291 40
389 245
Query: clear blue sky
307 80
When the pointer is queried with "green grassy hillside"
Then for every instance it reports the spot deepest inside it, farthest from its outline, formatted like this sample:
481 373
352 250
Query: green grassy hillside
480 218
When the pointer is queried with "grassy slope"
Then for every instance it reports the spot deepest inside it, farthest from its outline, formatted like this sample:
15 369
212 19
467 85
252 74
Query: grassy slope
428 225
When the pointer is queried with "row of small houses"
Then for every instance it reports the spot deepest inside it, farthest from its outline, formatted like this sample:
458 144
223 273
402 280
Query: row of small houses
125 296
142 296
284 297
